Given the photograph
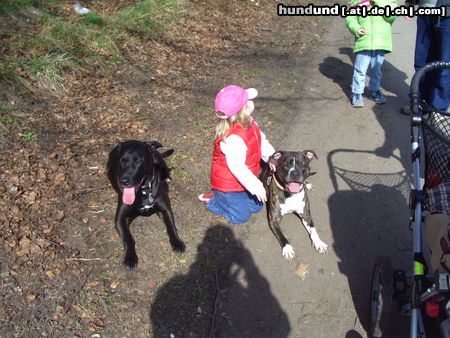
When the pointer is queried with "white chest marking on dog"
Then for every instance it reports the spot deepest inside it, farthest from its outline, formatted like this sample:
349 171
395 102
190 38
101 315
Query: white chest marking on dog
295 202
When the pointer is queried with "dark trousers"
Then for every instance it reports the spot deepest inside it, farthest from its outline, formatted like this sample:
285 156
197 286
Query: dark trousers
433 44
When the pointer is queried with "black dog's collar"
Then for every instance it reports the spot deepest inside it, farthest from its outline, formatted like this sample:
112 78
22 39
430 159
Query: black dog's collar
147 190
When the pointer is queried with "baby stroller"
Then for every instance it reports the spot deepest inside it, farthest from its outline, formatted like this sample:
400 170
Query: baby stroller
424 294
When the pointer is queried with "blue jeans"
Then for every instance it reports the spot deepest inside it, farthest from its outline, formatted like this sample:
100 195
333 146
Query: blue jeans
236 207
363 60
433 44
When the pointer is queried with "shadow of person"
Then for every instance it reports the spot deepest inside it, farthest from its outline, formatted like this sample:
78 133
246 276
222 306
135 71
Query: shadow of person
352 334
222 295
367 220
339 71
396 126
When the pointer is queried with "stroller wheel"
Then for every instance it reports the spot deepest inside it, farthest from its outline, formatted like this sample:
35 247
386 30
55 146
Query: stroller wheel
381 293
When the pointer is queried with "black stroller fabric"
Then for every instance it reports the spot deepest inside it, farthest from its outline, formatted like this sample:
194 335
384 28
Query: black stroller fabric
436 137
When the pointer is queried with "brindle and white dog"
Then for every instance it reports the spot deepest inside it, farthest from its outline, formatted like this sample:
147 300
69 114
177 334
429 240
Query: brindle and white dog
286 186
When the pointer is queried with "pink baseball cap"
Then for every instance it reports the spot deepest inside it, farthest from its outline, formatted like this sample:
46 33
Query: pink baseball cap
231 99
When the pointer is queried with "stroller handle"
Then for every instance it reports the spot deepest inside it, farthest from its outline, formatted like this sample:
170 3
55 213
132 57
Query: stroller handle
414 91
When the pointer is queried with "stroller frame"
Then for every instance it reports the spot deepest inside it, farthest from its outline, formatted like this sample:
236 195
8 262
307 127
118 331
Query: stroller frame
410 292
418 292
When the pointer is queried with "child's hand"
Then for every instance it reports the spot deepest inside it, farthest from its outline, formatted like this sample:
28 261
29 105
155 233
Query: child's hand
261 194
360 32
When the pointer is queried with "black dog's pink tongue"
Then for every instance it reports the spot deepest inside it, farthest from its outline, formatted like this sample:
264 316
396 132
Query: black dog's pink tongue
294 187
128 196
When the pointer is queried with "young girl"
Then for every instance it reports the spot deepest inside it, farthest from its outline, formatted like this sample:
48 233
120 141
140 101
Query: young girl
373 38
238 148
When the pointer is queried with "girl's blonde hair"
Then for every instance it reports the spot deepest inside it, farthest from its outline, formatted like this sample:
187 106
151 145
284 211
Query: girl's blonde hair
224 125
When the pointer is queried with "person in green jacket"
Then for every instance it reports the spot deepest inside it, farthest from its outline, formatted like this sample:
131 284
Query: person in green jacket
373 39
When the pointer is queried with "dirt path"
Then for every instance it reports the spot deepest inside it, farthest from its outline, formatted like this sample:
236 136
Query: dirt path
358 202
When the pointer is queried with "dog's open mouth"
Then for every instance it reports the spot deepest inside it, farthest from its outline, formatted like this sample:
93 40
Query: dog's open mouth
295 187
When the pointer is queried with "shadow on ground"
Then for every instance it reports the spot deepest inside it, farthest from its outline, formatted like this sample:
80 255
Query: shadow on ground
367 220
388 116
223 294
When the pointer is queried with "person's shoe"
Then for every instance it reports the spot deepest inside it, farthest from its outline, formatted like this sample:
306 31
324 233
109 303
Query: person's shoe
357 101
204 198
406 110
378 97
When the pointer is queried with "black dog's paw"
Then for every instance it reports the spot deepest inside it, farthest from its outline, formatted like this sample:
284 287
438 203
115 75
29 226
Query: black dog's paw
131 260
178 246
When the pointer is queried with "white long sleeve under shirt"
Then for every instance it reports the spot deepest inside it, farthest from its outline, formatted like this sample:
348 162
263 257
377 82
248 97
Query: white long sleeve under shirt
235 152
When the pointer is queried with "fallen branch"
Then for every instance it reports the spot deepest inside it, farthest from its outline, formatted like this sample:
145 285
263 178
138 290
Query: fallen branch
216 301
84 259
69 302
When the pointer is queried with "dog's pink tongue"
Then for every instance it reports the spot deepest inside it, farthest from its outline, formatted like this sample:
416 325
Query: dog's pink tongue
294 187
128 196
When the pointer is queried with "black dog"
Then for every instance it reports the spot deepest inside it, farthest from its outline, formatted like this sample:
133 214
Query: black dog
140 176
285 182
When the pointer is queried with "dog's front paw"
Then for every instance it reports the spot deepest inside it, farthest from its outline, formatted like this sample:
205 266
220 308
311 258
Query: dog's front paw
288 252
320 246
131 260
178 246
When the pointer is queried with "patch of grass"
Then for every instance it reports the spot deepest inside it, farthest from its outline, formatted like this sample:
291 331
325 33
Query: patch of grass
9 121
11 124
5 108
94 19
8 6
147 17
48 69
8 70
84 43
77 40
29 136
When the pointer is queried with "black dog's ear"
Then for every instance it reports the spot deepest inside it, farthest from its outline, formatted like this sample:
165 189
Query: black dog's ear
167 153
310 154
154 145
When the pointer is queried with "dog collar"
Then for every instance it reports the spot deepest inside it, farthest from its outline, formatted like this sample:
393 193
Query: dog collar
276 182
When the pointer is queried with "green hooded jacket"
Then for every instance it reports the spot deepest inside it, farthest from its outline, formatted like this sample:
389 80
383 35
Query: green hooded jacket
378 29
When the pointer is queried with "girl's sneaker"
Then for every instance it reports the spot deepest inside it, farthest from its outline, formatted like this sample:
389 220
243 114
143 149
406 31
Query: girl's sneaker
204 198
378 97
357 101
